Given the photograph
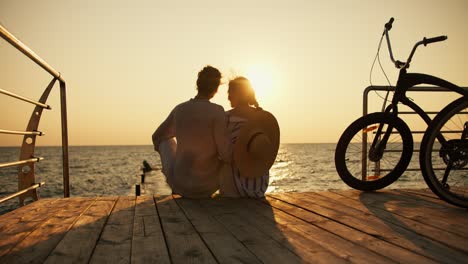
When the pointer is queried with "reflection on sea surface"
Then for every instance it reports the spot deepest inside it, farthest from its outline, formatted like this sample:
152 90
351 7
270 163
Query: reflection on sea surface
114 170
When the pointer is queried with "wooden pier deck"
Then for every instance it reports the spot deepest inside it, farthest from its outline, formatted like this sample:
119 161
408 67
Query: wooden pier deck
409 226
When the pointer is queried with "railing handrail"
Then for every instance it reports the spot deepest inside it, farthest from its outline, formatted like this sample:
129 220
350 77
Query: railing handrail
22 98
27 184
20 162
10 38
16 194
16 132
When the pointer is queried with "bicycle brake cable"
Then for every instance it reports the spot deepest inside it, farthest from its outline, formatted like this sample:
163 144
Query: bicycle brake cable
377 58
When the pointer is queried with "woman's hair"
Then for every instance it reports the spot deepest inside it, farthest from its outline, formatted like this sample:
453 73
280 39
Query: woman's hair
208 80
242 87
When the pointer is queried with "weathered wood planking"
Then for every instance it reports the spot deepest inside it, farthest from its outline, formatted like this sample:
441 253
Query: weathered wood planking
262 245
355 242
183 241
38 244
225 247
79 243
389 226
371 223
148 244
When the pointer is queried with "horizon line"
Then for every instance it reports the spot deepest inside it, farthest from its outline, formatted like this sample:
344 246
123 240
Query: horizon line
129 145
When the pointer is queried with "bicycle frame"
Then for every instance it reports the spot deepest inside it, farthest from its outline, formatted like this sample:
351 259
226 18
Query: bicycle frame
408 80
405 81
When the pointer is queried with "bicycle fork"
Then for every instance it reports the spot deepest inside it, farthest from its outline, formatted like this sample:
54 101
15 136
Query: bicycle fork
379 143
376 150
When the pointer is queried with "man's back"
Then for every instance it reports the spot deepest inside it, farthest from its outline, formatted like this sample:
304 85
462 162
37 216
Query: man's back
200 129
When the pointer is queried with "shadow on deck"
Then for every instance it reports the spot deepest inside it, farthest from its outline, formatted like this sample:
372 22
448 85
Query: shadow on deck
337 226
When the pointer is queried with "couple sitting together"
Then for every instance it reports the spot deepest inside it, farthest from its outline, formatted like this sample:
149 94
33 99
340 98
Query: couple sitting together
204 149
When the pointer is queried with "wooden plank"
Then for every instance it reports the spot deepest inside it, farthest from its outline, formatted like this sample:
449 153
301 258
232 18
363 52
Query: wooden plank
39 209
225 247
148 244
9 239
449 219
22 224
370 224
184 243
112 198
386 212
114 245
269 247
36 211
438 206
30 209
262 217
78 244
425 194
356 242
39 243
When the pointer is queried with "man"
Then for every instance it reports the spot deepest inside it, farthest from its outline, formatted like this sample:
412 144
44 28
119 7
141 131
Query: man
193 141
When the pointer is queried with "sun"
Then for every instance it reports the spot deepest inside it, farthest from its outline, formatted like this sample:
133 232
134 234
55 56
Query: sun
262 80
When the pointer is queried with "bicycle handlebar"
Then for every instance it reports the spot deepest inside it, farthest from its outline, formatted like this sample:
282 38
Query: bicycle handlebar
425 41
432 40
388 25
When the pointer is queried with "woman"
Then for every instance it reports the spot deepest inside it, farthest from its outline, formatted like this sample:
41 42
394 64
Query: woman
242 98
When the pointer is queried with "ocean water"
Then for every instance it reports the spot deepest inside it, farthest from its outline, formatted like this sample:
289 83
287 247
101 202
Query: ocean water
115 170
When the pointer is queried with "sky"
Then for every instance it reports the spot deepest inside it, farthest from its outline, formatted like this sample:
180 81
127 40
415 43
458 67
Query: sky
128 63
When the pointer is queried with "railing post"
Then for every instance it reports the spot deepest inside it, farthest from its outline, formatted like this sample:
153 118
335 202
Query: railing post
66 171
364 136
26 173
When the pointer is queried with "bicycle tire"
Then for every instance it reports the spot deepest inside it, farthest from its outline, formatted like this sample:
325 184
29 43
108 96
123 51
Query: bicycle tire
434 154
348 147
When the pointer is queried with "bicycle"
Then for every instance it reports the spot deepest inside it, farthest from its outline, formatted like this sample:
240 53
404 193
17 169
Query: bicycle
376 149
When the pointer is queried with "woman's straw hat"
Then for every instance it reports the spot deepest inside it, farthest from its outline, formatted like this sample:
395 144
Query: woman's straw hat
257 145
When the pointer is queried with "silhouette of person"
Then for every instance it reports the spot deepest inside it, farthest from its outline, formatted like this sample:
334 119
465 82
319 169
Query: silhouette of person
255 133
193 140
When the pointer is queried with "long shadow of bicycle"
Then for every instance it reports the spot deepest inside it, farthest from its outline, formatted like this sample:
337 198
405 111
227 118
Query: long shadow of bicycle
421 224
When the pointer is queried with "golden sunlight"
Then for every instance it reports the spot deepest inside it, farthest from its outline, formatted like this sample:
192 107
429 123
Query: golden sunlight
261 78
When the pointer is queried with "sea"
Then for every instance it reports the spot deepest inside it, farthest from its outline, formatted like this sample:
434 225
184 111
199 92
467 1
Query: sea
115 170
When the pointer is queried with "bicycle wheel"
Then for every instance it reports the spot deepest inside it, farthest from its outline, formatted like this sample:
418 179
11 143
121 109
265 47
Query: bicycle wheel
444 154
360 170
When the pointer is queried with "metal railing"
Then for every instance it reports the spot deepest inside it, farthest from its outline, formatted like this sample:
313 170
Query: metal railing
27 187
392 88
